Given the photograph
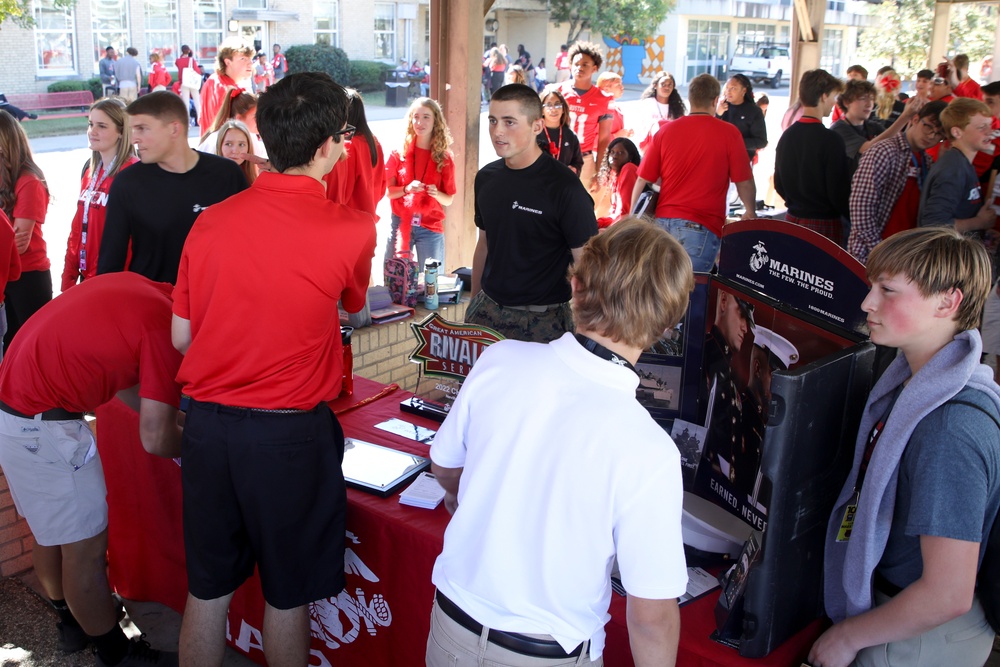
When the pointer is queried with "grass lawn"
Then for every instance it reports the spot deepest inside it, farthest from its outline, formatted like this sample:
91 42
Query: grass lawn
54 127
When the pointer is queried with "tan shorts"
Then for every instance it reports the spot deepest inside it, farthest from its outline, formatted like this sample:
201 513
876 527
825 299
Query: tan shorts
55 478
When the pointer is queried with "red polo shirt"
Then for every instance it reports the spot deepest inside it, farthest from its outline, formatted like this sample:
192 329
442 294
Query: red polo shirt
259 281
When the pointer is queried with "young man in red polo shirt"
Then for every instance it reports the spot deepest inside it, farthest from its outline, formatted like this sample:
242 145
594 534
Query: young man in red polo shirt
262 451
589 109
109 334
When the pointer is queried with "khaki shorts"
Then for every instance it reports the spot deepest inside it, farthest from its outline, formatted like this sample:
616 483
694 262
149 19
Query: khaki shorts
55 478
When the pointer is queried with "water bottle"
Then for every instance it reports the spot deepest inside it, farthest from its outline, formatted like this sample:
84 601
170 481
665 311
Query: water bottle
431 284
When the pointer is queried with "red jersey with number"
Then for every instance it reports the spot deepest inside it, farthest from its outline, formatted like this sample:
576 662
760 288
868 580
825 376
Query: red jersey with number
585 112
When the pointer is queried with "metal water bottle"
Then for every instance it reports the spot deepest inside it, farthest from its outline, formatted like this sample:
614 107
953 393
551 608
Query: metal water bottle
431 284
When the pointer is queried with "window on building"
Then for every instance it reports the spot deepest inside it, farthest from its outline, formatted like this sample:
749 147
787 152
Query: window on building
326 20
253 4
109 19
207 30
161 29
751 35
707 48
830 56
54 30
385 31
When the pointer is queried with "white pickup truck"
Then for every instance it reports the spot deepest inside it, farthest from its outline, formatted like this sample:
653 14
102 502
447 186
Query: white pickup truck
767 64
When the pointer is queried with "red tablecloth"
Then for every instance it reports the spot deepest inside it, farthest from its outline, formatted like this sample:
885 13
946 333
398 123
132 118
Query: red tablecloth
383 615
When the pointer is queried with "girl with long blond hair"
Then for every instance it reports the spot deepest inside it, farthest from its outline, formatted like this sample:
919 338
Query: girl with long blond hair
421 182
110 140
24 198
234 143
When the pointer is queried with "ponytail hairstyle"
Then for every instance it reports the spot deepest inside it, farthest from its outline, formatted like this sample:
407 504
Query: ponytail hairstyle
236 102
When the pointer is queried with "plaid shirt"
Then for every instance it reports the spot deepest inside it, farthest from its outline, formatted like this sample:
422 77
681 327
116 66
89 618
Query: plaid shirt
877 184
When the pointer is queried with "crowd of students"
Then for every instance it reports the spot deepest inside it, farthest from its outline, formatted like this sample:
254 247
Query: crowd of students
886 166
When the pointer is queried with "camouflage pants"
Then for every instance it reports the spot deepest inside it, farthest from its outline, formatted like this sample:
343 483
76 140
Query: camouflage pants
518 324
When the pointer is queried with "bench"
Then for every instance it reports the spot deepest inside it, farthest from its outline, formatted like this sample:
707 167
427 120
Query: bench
44 101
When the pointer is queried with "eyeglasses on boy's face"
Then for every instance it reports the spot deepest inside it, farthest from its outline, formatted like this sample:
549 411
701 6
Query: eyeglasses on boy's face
347 133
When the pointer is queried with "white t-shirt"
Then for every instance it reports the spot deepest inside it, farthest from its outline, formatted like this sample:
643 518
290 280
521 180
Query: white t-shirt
563 470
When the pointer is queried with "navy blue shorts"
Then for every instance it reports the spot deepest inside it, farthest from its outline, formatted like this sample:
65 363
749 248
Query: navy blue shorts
264 489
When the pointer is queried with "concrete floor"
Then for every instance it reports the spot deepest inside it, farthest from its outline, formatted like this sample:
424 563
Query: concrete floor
160 624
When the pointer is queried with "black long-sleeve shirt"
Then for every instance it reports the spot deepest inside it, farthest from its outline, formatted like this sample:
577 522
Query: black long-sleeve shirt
749 120
811 172
154 209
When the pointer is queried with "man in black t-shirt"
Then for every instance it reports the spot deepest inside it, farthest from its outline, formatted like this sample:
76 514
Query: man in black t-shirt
153 205
534 216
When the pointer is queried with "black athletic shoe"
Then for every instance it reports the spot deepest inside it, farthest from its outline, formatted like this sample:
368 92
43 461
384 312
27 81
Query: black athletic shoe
32 116
72 638
140 654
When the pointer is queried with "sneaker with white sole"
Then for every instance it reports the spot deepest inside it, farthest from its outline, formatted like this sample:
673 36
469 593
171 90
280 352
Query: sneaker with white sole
141 654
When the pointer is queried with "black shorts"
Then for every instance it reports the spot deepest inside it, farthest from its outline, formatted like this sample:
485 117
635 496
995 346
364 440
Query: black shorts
266 489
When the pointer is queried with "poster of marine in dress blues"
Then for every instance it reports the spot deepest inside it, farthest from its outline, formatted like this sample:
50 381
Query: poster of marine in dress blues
783 297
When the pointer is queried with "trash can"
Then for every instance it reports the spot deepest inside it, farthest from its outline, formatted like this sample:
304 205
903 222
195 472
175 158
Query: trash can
396 94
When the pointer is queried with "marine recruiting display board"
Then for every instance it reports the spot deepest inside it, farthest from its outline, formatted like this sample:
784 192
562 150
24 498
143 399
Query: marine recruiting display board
804 271
446 353
784 297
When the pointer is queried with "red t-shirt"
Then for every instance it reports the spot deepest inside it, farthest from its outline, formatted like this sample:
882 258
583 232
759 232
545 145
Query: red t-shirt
98 197
585 113
617 119
969 88
621 196
418 166
696 157
31 201
10 260
984 160
259 281
354 182
906 211
77 351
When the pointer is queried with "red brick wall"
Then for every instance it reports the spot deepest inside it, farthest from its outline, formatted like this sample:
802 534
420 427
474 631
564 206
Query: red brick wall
16 541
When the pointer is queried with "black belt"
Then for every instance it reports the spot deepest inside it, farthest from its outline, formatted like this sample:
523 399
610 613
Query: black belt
53 415
538 648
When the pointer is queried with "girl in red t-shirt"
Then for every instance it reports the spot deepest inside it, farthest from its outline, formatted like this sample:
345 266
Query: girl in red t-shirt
618 174
421 182
110 139
24 197
359 181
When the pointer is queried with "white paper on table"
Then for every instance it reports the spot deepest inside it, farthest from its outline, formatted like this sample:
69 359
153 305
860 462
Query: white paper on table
699 583
408 430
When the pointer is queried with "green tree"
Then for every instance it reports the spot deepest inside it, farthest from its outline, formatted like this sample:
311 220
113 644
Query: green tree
19 11
909 23
610 17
